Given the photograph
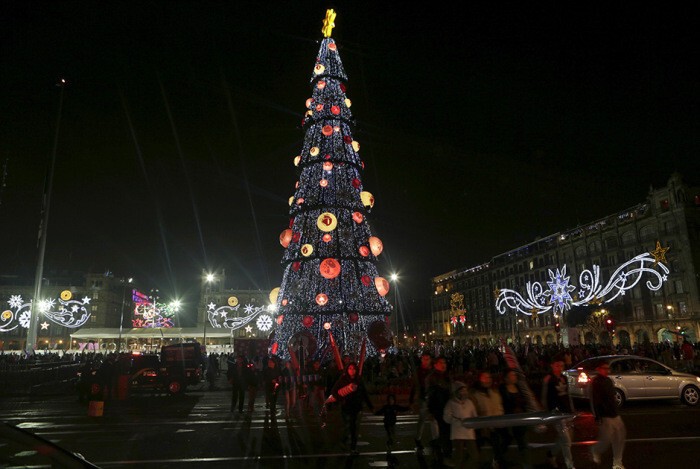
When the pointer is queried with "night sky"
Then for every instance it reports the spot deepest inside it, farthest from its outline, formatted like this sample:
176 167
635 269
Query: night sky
481 129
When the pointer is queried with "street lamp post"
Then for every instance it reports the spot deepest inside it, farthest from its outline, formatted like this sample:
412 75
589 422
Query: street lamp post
394 277
121 316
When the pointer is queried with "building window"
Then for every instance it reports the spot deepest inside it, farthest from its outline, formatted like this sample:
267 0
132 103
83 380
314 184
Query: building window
95 295
93 318
638 313
628 237
664 204
94 308
659 311
683 307
678 284
647 233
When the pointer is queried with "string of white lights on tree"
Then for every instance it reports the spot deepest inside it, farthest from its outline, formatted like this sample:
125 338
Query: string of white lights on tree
64 311
557 296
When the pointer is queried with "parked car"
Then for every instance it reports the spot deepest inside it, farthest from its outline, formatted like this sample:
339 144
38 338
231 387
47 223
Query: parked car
635 378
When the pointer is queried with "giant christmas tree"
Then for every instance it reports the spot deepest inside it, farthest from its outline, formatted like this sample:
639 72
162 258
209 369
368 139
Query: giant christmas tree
331 284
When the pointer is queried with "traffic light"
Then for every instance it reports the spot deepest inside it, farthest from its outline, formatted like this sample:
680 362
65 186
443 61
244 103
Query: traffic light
610 324
557 326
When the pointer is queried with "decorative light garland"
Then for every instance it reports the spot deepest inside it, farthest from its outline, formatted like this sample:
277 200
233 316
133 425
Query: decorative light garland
557 298
71 313
219 316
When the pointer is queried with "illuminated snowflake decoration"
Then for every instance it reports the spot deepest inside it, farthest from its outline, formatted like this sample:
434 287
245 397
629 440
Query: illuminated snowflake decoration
25 319
559 290
15 301
591 289
249 308
264 323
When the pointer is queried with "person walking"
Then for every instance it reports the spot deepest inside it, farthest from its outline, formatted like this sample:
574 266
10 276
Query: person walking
515 402
612 429
350 392
236 378
437 389
389 411
488 403
464 450
555 395
418 388
271 383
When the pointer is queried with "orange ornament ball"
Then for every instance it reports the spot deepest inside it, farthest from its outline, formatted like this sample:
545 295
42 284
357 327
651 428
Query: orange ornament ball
321 84
376 245
330 268
327 130
280 319
323 183
326 238
364 251
321 299
357 217
327 165
286 238
382 285
285 302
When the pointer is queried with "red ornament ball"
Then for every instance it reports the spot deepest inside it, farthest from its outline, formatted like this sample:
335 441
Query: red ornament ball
366 281
321 84
343 87
295 266
356 183
285 301
332 46
357 217
327 238
364 251
286 237
327 130
296 237
280 319
353 318
347 139
319 107
327 166
307 321
330 269
335 110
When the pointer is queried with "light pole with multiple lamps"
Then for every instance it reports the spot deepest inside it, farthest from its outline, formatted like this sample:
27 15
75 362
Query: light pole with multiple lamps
394 279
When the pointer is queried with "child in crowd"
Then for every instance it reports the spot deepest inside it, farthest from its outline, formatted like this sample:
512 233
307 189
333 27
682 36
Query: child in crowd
389 411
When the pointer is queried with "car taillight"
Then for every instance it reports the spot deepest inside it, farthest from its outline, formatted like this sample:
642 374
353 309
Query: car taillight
152 374
582 378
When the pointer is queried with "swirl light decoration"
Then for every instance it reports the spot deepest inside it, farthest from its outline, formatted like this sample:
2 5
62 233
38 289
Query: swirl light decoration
591 290
70 313
229 316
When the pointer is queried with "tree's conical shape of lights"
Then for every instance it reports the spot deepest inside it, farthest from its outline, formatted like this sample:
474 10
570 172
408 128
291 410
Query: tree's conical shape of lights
330 281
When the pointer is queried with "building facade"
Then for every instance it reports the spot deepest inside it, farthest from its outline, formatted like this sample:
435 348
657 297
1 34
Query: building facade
463 303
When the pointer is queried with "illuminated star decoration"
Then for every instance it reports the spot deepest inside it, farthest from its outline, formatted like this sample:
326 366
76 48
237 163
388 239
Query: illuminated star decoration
659 254
44 325
559 290
328 23
248 329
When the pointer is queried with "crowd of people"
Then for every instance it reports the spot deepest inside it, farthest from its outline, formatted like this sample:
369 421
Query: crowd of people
445 385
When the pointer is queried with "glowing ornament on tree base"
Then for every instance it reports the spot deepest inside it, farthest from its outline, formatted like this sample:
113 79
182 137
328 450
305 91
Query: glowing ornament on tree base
321 299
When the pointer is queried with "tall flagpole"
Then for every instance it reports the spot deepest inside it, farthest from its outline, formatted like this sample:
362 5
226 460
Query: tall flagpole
31 343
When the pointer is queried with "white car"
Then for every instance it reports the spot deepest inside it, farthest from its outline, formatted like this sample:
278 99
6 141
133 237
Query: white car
635 378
